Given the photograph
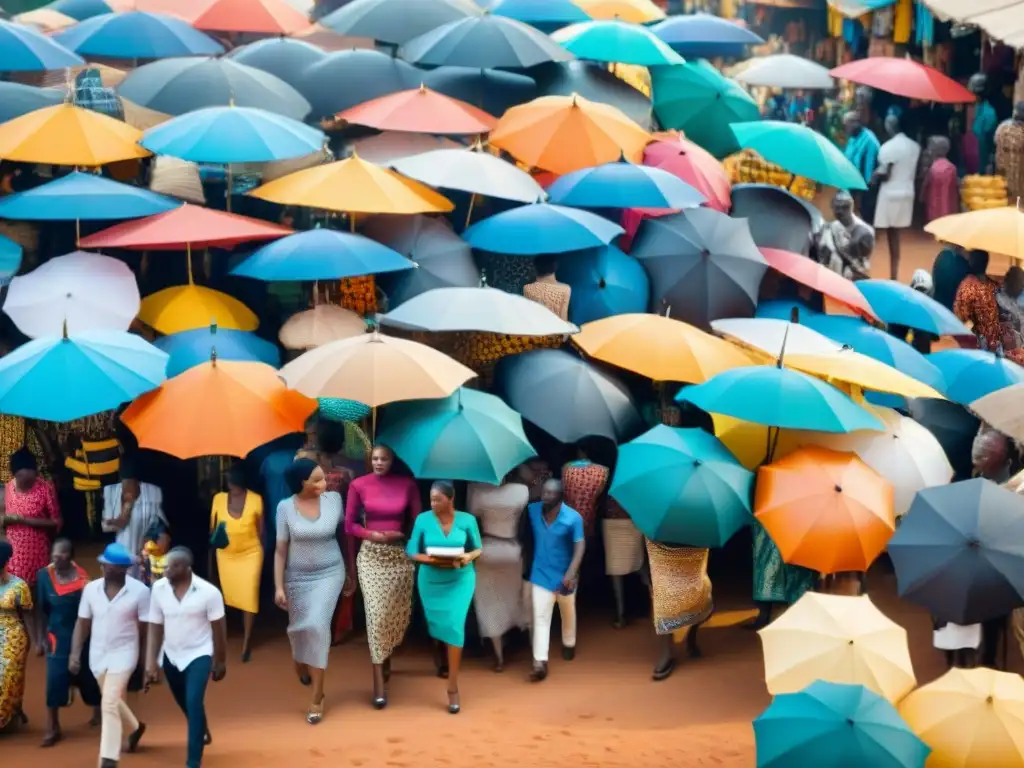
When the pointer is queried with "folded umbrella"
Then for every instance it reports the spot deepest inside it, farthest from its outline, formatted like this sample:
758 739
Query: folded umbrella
471 170
820 278
971 374
286 58
704 36
419 110
320 325
188 349
396 21
368 75
69 135
631 11
904 77
137 35
899 304
604 282
82 196
545 15
624 185
784 70
799 150
778 219
997 230
483 42
615 41
541 228
17 99
24 49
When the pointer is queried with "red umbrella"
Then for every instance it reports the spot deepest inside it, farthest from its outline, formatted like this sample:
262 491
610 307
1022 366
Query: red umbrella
820 278
904 77
261 17
420 110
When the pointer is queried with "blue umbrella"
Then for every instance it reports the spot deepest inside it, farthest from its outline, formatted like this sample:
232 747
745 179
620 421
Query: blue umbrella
137 35
63 379
367 75
233 135
604 282
17 99
24 49
782 309
84 197
545 15
899 304
80 10
283 57
616 42
624 185
10 259
492 90
191 348
541 228
703 36
321 254
971 374
396 21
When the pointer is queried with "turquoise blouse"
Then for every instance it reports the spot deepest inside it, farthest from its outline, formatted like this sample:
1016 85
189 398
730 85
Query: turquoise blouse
426 532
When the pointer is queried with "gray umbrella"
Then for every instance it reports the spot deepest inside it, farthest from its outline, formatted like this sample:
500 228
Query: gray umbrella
17 99
396 21
777 218
594 81
485 42
366 75
283 57
177 86
567 397
488 89
703 265
443 259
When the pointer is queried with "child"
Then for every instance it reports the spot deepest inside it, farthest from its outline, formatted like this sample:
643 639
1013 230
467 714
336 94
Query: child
155 556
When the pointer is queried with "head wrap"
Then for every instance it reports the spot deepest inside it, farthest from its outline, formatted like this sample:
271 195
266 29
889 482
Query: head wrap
23 459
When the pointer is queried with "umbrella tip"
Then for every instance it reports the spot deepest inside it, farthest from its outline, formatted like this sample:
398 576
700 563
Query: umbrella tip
423 87
64 329
213 327
213 355
839 488
575 96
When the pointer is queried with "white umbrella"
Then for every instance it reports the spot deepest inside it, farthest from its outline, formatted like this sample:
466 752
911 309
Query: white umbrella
784 70
768 335
474 171
320 325
389 146
77 293
1002 410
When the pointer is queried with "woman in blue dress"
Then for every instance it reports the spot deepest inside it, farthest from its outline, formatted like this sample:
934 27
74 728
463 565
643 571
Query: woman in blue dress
446 583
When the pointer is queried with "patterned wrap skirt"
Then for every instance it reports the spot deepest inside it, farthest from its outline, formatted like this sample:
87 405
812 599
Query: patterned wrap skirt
623 547
680 586
386 578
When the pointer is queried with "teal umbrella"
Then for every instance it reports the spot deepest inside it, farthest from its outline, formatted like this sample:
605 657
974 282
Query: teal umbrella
697 100
829 725
798 149
682 486
616 42
470 436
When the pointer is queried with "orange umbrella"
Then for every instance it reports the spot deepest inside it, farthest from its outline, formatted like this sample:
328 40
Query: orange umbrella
562 134
419 110
219 408
825 510
261 17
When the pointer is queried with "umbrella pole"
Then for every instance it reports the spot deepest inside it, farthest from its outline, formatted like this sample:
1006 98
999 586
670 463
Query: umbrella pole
188 262
78 232
373 425
469 213
227 191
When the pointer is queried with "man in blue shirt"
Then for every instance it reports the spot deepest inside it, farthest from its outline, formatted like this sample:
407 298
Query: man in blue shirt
557 549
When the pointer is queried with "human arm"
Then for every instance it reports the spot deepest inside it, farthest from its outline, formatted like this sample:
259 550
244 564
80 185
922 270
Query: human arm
51 520
83 627
154 635
24 604
579 547
474 544
219 625
40 614
281 556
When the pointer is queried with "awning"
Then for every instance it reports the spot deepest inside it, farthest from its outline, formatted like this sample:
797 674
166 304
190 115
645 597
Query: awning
1001 19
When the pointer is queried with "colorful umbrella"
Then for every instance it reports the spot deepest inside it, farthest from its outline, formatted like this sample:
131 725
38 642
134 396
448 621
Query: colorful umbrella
45 20
953 426
899 304
368 75
188 349
471 436
17 99
396 21
69 135
682 486
775 338
783 309
84 197
545 15
784 70
217 408
420 110
595 82
970 374
1002 410
632 11
137 35
704 36
694 165
541 228
998 230
471 170
777 218
904 77
851 367
604 282
483 42
10 259
616 42
817 277
494 91
24 49
320 325
83 9
187 307
799 150
287 58
259 17
624 185
389 147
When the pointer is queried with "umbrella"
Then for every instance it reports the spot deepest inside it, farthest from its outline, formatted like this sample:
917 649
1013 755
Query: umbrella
84 197
779 397
471 170
695 98
178 86
375 369
492 90
419 110
563 134
73 294
579 400
604 282
970 374
953 426
541 228
320 325
10 259
442 258
233 135
782 309
784 70
1001 409
775 338
471 436
45 20
545 15
396 21
799 150
899 304
69 135
187 307
904 77
703 265
832 725
659 348
488 310
780 220
704 36
825 510
483 42
367 75
24 49
837 639
17 99
617 42
851 367
81 9
632 11
259 17
682 486
217 408
999 230
694 165
62 379
593 81
970 717
283 57
188 349
818 277
137 35
624 185
390 146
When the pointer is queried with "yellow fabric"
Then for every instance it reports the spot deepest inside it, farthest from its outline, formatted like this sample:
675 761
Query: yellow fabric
835 22
903 19
241 562
188 307
69 135
727 9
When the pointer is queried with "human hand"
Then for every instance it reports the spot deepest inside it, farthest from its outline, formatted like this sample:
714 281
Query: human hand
569 583
41 651
13 519
351 584
152 676
218 671
281 599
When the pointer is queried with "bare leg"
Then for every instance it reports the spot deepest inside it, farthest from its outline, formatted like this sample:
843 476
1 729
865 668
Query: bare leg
97 717
302 672
316 707
53 734
618 589
440 660
499 654
454 662
893 236
248 619
380 694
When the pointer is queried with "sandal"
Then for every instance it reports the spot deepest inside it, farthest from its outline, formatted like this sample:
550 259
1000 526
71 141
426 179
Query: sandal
315 713
453 703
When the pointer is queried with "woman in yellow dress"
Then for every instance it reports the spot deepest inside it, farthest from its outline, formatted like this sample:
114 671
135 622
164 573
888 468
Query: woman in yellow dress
240 563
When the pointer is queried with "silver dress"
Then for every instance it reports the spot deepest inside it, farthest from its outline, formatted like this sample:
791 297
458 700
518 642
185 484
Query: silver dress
498 600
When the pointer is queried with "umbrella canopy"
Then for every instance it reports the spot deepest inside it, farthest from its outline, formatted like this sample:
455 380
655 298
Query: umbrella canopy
563 134
820 278
799 150
704 36
187 307
953 426
375 370
24 49
320 325
492 90
178 86
825 510
10 259
217 408
81 9
471 436
483 42
420 110
396 21
62 379
703 265
782 309
1002 410
233 135
137 35
593 81
391 146
775 338
624 185
45 20
69 135
258 17
970 374
545 15
471 170
579 400
631 11
283 57
604 282
682 486
541 228
694 165
17 99
998 230
784 70
851 367
368 75
830 725
84 197
904 77
617 42
778 219
899 304
837 639
188 349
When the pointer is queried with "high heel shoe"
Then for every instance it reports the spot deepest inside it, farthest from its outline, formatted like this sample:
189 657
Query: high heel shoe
315 713
453 703
385 669
379 702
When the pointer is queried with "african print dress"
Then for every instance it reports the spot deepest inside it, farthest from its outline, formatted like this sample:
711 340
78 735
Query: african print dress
31 545
15 597
59 603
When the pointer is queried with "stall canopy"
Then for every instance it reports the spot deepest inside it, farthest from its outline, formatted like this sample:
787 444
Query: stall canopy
1002 19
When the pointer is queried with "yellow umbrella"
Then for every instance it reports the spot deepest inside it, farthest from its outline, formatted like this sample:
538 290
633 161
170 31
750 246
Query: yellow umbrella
998 230
633 11
971 718
850 367
188 307
837 639
748 441
69 135
45 19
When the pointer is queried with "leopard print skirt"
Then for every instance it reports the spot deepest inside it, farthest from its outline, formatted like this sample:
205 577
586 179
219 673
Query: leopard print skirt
680 587
386 581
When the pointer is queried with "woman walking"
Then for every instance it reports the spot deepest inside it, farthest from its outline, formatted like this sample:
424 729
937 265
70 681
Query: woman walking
445 543
309 573
31 516
15 635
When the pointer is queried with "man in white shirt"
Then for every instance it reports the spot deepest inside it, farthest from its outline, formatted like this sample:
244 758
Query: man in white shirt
112 610
897 174
186 615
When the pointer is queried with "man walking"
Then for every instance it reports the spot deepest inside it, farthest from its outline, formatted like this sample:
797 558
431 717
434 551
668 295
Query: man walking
111 611
187 617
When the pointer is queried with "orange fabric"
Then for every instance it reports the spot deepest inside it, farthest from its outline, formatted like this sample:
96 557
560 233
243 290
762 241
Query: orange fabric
260 17
975 305
420 110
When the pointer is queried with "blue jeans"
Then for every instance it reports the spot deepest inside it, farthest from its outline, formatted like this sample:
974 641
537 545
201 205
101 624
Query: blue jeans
188 686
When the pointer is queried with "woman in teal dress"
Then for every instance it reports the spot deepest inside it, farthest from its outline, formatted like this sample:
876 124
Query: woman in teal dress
446 584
